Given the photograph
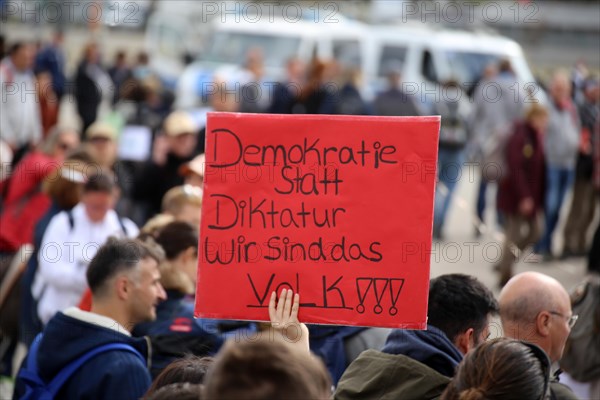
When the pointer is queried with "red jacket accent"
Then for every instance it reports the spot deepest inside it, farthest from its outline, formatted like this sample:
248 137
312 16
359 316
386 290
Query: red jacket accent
25 203
526 175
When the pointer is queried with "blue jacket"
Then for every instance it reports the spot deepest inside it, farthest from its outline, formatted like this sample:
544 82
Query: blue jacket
175 332
328 342
52 59
111 375
431 347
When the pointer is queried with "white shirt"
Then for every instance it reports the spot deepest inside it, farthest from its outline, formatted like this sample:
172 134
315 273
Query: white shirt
65 254
20 121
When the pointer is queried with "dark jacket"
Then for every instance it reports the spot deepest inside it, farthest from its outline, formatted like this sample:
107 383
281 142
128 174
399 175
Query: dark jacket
558 391
52 59
153 181
87 95
175 332
110 375
381 376
431 347
395 102
328 342
525 175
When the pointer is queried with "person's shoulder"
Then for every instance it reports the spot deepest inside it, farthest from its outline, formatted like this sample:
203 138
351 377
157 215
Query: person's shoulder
561 391
132 229
375 374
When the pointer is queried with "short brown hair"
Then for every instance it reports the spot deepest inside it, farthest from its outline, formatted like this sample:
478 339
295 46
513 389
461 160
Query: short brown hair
118 255
262 370
175 238
189 369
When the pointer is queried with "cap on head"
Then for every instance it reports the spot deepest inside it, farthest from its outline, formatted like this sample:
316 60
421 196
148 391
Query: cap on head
101 130
179 123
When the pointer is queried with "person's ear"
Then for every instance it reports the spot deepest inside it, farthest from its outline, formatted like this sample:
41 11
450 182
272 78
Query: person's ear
191 254
465 341
542 323
122 287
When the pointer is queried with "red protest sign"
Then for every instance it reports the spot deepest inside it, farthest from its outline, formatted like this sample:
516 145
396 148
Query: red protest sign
336 208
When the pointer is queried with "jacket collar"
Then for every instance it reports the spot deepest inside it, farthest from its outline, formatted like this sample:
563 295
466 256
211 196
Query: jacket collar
96 319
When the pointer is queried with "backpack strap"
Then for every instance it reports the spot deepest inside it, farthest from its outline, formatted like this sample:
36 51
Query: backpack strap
31 377
59 380
119 218
122 223
29 372
71 219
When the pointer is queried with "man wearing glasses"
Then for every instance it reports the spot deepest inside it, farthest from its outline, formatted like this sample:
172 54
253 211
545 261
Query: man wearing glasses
536 308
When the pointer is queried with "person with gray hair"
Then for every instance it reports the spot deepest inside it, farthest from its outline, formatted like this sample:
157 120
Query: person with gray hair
536 308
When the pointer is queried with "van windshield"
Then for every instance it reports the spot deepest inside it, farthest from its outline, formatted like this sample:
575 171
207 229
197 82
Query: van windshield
232 47
468 67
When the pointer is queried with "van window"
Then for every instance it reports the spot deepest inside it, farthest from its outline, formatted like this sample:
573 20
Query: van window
232 47
428 68
170 42
468 67
347 52
391 55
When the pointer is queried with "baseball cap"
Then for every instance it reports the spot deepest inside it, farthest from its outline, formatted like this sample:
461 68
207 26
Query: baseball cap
101 130
178 123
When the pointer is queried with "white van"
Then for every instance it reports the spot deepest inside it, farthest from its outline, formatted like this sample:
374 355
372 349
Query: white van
430 56
279 40
174 31
427 55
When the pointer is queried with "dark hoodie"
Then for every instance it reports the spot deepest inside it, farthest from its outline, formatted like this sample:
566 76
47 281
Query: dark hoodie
431 347
413 365
110 375
176 332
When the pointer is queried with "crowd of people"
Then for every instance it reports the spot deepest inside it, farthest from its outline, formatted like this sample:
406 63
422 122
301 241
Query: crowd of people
98 252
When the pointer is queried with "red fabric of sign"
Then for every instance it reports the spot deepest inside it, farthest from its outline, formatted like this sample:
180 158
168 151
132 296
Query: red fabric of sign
337 208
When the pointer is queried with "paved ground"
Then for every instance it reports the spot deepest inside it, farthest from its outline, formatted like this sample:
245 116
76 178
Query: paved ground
462 252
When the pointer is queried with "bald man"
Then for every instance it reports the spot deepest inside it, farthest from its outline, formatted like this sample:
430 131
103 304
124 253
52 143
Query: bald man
536 308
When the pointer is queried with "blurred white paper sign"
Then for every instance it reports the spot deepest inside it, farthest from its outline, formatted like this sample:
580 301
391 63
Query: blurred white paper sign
135 143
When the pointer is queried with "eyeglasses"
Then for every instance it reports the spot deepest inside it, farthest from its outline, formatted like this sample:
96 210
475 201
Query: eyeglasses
570 320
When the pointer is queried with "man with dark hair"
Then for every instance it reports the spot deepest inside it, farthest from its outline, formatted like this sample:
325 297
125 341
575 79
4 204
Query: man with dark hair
72 239
125 282
420 364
